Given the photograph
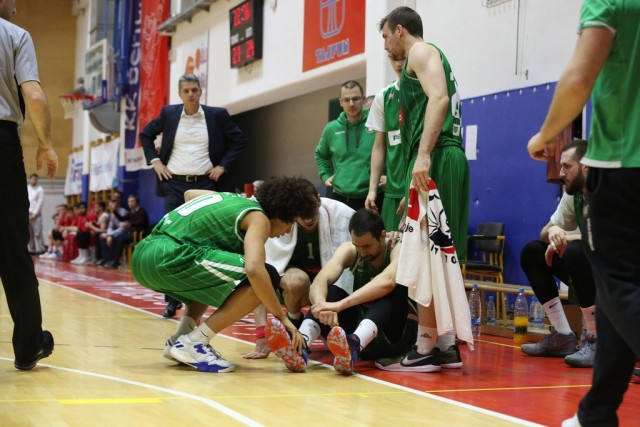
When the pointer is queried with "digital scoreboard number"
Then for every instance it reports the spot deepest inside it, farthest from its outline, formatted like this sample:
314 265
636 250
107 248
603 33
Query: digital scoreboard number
245 23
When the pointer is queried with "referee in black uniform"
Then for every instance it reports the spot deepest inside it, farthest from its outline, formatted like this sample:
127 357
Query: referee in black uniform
20 86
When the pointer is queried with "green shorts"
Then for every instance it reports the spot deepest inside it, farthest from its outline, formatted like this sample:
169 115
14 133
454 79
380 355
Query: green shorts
450 171
388 213
186 272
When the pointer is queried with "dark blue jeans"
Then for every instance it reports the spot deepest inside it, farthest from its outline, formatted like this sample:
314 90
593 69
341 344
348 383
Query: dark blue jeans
613 247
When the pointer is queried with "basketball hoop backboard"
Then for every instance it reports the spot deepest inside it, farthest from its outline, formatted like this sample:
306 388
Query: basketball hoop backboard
98 76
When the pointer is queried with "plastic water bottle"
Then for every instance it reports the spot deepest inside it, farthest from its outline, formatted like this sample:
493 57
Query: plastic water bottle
520 319
491 312
537 314
476 310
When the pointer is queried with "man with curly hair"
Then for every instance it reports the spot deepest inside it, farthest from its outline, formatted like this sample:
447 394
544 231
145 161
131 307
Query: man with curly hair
210 252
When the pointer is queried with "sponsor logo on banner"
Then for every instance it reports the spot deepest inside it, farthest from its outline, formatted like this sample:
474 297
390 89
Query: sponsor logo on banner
133 154
333 30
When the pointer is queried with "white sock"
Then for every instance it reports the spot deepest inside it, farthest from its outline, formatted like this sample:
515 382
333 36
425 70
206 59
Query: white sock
427 337
554 311
366 331
202 334
185 326
447 340
589 314
310 330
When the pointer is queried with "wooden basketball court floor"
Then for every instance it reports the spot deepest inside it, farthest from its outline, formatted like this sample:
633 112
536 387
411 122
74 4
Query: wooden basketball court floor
107 370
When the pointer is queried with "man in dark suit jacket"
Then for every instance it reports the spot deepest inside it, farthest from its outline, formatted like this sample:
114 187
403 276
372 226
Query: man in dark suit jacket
199 145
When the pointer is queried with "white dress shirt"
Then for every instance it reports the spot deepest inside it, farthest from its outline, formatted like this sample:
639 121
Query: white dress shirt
190 153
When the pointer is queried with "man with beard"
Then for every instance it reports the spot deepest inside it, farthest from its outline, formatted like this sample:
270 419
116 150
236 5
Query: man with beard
430 129
374 316
299 255
559 253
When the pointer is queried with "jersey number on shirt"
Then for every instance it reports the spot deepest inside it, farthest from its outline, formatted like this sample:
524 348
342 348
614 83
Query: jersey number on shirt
197 203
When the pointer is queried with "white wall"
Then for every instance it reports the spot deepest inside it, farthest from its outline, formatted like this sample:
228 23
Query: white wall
481 42
276 77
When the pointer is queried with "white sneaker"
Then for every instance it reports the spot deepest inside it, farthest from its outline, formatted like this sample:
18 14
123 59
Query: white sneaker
79 261
572 422
48 255
167 350
199 355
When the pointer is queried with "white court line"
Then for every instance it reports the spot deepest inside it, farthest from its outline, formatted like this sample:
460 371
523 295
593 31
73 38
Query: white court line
208 402
364 377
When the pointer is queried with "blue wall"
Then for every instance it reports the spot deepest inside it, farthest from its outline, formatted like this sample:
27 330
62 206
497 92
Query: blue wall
147 192
506 184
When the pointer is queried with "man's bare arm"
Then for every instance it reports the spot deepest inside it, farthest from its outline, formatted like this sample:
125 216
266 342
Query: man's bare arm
38 110
574 87
425 62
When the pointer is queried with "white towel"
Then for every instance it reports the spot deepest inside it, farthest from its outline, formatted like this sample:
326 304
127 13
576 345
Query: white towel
333 229
428 264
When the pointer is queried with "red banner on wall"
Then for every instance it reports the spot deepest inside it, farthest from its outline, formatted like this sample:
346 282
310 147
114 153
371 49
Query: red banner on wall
154 64
333 30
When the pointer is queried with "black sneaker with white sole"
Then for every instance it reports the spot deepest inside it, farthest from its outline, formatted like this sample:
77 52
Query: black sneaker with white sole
412 362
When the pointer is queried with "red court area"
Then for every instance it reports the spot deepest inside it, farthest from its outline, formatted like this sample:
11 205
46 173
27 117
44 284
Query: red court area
496 376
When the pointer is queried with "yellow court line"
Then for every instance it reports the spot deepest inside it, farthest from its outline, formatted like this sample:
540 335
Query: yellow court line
497 343
546 387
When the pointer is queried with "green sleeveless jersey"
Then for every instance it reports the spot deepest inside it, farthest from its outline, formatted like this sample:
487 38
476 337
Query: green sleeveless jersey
306 254
363 272
413 104
212 220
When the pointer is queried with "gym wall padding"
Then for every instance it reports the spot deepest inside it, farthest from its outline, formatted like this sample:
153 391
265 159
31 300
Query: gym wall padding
506 184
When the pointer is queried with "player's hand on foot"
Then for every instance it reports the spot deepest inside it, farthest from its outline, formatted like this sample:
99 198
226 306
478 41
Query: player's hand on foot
297 340
261 351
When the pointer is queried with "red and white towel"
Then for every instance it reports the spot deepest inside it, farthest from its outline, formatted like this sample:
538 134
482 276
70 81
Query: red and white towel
428 264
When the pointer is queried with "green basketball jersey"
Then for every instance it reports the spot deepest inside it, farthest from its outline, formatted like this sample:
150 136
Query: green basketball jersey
363 272
614 140
395 159
306 254
212 220
413 104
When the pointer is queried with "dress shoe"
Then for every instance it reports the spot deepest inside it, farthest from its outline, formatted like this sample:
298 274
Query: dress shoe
45 351
170 310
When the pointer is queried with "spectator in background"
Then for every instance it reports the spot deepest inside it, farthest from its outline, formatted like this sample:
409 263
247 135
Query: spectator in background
138 222
343 154
62 218
98 226
118 222
36 199
200 144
